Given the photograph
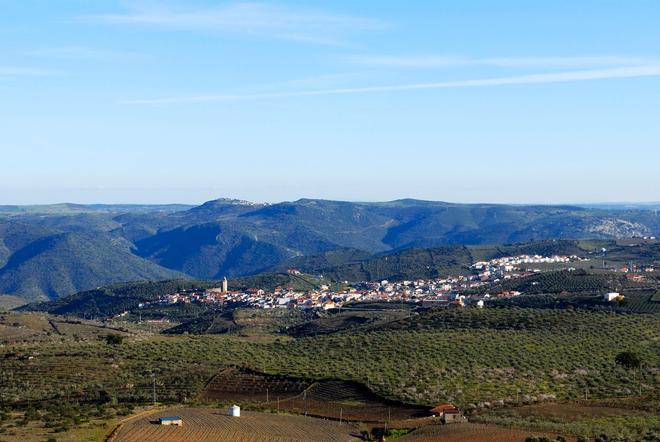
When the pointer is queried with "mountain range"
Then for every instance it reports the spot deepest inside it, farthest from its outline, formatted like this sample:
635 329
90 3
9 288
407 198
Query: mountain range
51 251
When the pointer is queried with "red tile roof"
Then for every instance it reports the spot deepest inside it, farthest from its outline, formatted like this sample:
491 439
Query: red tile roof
442 408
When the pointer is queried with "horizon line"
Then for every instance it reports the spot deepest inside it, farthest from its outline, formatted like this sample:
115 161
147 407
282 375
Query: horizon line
196 204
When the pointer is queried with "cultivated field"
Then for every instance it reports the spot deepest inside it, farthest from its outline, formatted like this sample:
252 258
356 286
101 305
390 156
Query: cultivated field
30 327
484 361
569 411
469 433
206 424
243 385
330 398
630 419
351 401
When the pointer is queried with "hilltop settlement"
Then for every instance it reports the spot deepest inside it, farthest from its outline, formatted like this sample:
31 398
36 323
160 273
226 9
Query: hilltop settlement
456 291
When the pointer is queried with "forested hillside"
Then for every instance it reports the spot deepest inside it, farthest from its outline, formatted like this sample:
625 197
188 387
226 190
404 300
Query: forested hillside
407 264
65 263
52 251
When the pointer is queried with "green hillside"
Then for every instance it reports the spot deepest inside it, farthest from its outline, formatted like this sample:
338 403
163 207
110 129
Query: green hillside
355 265
67 263
544 248
326 260
463 356
579 281
115 299
52 251
407 264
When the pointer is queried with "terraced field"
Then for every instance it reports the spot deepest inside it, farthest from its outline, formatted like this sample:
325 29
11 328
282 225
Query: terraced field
27 327
245 385
656 297
350 400
348 321
646 302
570 411
467 357
207 424
333 399
630 419
470 433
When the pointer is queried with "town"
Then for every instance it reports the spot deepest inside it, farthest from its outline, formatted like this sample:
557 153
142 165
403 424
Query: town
456 291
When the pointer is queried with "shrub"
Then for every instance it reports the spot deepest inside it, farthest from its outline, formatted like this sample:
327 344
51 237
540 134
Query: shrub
628 359
114 339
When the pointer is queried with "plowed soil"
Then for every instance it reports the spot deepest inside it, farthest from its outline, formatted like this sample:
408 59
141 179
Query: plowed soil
212 424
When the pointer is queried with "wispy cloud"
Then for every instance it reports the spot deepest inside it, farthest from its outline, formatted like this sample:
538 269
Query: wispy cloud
85 53
248 18
446 61
17 71
324 81
554 77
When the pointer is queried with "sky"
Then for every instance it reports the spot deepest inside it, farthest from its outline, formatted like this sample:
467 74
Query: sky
147 101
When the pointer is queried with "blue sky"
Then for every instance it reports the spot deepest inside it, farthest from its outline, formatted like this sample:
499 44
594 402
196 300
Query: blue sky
466 101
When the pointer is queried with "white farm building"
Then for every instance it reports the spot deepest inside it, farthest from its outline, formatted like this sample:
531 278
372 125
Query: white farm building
611 296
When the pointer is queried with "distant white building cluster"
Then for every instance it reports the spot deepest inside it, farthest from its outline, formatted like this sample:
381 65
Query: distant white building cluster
512 266
429 293
446 291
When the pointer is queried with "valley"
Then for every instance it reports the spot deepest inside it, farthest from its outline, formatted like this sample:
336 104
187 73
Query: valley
522 339
48 252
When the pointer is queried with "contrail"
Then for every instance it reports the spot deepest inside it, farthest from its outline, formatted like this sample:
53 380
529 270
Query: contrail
555 77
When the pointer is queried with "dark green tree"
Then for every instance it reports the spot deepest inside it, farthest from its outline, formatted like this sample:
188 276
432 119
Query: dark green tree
628 359
114 339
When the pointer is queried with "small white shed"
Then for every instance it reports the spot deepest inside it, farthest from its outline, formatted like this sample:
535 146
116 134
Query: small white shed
235 411
171 420
611 296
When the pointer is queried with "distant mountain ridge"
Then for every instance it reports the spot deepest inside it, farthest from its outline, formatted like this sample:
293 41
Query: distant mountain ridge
623 206
71 208
47 253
